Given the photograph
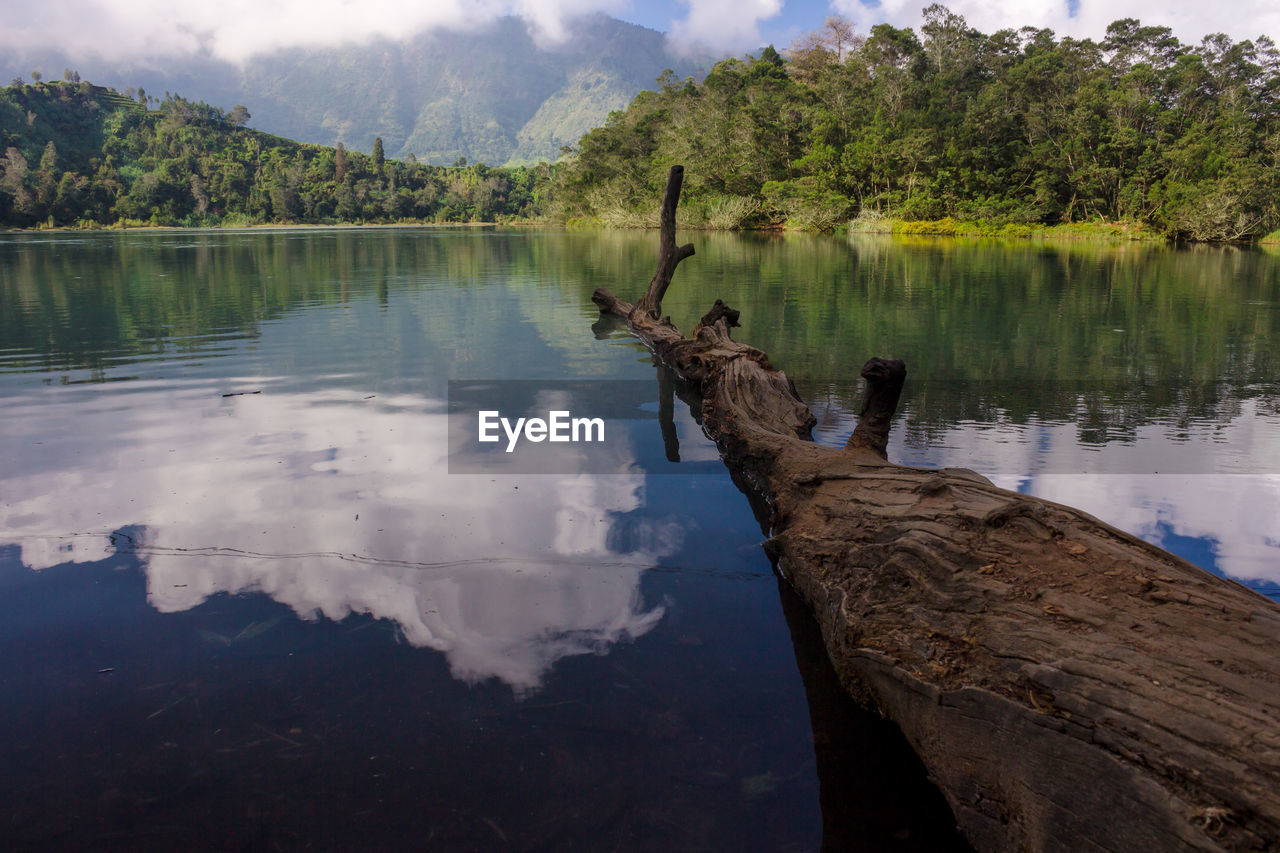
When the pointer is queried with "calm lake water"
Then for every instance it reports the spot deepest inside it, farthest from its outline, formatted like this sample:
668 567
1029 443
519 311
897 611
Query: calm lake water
244 603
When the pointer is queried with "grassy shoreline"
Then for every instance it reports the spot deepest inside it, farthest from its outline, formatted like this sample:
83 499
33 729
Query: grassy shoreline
874 225
948 227
1112 232
267 226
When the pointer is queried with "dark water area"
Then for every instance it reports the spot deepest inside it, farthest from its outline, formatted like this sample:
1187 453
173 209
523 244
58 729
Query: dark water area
244 604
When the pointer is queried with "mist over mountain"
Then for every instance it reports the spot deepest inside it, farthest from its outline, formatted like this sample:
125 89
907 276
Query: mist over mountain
490 94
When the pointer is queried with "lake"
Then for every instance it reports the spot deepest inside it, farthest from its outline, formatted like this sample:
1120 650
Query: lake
250 597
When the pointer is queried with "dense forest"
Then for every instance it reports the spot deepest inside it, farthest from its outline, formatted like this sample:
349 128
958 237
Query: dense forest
934 131
75 154
1017 128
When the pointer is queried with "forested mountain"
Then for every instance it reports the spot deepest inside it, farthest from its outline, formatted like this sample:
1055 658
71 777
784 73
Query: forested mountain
1014 127
490 95
78 154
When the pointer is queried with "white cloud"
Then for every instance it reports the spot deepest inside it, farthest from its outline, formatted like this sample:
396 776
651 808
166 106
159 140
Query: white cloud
236 29
730 25
549 19
1239 19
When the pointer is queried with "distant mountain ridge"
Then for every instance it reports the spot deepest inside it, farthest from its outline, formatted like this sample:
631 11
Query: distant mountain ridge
490 95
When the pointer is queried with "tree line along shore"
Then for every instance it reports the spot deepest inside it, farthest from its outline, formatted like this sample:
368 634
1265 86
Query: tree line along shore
944 130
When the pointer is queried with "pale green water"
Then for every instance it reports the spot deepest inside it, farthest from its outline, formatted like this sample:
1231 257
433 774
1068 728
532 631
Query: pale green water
315 633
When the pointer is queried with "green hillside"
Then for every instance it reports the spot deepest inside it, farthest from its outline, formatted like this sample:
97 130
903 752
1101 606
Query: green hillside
1015 129
490 95
75 154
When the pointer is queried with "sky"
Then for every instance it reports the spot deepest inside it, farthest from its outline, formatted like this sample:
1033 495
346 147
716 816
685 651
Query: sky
236 29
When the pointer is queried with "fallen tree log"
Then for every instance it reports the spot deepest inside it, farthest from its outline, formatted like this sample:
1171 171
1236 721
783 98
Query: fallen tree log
1067 685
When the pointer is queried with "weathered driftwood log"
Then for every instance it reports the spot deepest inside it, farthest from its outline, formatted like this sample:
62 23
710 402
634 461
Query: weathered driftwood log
1067 685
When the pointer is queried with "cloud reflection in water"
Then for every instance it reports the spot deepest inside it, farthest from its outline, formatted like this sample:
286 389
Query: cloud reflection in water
1213 481
333 504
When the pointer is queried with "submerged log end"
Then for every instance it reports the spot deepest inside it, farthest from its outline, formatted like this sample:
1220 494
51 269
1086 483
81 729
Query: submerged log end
610 304
885 377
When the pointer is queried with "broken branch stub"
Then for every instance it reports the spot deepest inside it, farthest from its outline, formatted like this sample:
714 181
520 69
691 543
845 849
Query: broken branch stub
885 378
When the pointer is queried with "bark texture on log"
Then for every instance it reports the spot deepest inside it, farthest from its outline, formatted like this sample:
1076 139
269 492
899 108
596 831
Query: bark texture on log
1067 685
